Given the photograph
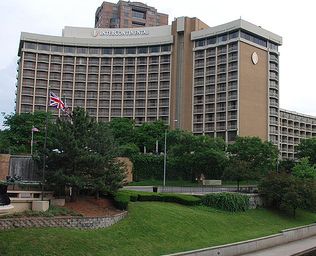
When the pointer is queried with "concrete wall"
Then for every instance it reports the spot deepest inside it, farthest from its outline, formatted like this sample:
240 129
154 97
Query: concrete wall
83 223
240 248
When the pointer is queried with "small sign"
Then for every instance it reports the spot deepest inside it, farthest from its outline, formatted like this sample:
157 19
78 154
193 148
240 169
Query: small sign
254 58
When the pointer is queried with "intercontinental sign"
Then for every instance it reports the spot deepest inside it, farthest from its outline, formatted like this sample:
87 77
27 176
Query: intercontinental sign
142 32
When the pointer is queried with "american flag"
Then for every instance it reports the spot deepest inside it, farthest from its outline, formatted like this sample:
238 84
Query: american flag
56 101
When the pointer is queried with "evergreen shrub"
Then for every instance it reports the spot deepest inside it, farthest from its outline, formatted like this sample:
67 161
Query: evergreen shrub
227 201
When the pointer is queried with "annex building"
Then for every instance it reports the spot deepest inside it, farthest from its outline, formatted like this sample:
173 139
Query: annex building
126 14
220 81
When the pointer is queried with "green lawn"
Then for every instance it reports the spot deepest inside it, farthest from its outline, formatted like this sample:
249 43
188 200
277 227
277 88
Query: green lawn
152 228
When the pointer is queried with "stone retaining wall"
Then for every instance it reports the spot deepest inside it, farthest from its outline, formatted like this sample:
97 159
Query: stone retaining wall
83 223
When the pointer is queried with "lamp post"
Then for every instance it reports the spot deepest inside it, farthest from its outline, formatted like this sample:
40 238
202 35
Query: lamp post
165 157
165 160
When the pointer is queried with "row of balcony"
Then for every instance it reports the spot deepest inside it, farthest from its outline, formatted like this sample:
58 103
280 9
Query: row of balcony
44 59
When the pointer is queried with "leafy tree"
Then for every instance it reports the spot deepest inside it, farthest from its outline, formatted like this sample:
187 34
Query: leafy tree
83 154
200 154
122 130
147 135
17 135
304 170
306 148
127 150
258 156
286 165
284 191
237 170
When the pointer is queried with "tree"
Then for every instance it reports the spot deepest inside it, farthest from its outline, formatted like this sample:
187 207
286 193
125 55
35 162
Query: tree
304 170
306 148
258 156
237 170
147 135
284 191
286 165
17 135
200 154
122 130
83 154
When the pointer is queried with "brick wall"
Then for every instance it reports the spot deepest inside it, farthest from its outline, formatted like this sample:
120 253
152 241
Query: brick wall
83 223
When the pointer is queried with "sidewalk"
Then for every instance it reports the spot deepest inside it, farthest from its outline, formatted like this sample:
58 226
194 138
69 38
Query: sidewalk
294 248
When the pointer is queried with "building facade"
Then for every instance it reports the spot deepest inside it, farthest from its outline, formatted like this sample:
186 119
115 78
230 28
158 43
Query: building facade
219 81
126 14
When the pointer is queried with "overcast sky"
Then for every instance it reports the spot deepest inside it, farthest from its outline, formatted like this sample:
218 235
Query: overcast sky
293 20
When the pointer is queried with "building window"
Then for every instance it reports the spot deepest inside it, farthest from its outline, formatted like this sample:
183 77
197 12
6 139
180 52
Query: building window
154 49
166 48
125 21
211 40
158 23
94 50
233 35
130 50
82 50
57 48
199 43
118 50
142 49
106 50
158 17
151 13
44 47
126 14
30 45
254 39
114 8
125 7
138 15
69 49
222 38
273 46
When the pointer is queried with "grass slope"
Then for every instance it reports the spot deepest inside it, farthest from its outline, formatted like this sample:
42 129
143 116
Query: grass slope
152 228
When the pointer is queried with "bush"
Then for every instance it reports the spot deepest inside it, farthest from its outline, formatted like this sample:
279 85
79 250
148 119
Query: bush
150 197
123 197
121 200
227 201
181 199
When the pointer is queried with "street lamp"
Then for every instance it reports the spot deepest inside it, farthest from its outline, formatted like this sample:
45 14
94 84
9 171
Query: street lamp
165 158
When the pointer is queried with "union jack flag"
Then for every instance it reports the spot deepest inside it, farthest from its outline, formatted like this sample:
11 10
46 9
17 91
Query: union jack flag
55 101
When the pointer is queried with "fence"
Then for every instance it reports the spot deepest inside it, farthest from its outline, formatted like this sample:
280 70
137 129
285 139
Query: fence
204 189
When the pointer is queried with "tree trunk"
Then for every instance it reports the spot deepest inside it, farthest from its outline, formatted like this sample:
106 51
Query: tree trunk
97 195
73 197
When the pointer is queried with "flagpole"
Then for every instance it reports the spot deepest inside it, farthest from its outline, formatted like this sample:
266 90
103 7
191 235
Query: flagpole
32 141
45 141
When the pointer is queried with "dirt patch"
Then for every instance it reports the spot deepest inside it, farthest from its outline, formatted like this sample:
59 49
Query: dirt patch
91 207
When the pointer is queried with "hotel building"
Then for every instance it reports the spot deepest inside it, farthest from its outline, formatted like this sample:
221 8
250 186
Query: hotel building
126 14
220 81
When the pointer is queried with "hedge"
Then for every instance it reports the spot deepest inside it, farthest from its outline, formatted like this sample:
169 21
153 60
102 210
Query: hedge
227 201
123 197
